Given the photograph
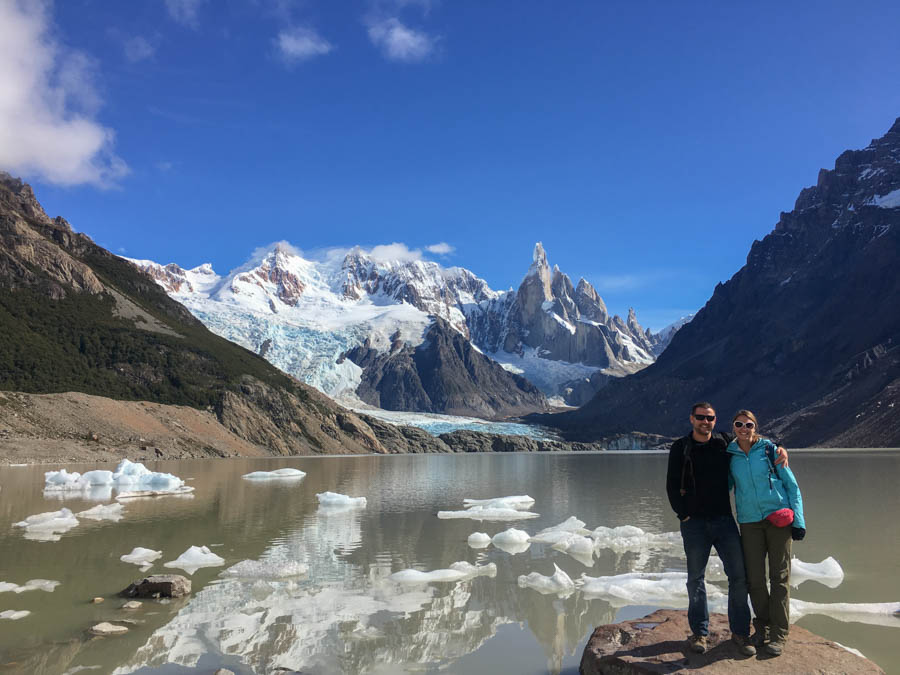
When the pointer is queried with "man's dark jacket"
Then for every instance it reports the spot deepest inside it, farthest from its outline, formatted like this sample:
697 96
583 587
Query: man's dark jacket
704 478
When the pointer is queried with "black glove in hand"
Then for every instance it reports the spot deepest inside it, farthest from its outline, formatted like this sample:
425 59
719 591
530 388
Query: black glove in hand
797 533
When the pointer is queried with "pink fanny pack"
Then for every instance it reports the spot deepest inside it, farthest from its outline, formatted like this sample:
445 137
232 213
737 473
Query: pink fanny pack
781 517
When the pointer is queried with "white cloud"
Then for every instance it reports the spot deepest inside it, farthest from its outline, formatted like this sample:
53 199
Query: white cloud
138 48
400 43
301 43
442 248
185 12
47 105
164 166
395 251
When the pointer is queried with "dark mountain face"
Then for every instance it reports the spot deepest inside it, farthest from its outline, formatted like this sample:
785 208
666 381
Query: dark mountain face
806 334
444 374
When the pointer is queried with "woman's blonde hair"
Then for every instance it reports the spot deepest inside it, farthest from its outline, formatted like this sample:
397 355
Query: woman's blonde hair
750 416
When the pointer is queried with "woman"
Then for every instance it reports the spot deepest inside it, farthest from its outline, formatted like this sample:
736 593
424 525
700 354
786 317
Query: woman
770 513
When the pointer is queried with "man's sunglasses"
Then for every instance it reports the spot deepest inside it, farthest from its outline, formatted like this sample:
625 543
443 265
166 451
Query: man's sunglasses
749 425
708 418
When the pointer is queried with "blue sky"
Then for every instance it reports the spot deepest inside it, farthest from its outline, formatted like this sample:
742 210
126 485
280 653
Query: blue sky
646 144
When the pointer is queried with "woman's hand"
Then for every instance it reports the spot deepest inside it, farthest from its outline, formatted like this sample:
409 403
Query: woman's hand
797 533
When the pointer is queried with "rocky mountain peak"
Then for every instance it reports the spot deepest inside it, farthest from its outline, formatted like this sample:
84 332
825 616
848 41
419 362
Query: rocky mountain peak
277 269
590 304
24 199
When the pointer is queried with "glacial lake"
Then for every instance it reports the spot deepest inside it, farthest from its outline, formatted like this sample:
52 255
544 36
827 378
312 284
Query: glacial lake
346 616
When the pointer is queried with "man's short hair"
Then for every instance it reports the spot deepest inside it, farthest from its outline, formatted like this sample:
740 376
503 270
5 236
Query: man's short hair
702 404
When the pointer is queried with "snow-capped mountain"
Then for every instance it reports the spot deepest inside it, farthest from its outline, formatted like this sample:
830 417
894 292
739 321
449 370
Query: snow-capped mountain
305 315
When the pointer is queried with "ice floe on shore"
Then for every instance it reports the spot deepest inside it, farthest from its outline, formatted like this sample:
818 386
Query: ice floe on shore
498 508
14 615
195 558
559 583
266 569
33 585
48 526
333 502
143 557
111 512
828 572
276 475
458 571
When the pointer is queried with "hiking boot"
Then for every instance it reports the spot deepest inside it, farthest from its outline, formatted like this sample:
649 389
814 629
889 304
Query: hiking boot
698 643
774 648
761 632
742 642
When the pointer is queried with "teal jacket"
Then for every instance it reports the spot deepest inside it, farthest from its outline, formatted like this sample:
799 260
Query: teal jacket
757 490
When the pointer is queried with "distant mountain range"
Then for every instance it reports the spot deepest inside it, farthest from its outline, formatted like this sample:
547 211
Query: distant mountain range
413 335
806 333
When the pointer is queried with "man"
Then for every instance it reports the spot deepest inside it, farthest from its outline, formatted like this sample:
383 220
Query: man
697 485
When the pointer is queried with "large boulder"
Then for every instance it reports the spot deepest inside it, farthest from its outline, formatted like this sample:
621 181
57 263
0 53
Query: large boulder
658 644
159 586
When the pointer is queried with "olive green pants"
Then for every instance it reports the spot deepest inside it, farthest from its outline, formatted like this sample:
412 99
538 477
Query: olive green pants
763 541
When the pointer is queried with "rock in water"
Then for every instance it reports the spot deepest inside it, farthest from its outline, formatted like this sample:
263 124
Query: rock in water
159 586
658 644
108 629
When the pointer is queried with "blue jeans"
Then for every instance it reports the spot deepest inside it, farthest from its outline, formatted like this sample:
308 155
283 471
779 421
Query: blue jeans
700 534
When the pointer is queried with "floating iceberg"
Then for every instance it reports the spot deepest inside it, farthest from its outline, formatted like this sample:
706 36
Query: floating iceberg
48 526
333 501
479 540
277 474
518 502
33 585
579 547
457 572
111 512
184 492
263 569
127 476
875 613
14 615
828 572
143 557
570 524
512 541
559 583
642 588
631 538
496 508
195 558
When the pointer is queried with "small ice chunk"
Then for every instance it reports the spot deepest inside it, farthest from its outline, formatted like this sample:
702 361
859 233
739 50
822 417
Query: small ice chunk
333 501
195 558
570 524
264 569
518 502
63 480
14 615
277 474
828 572
488 513
479 540
850 649
559 583
143 557
184 491
127 476
457 572
48 526
631 538
32 585
512 541
579 547
111 512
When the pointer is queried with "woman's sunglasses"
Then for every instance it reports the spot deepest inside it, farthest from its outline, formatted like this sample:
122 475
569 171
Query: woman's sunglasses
749 425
